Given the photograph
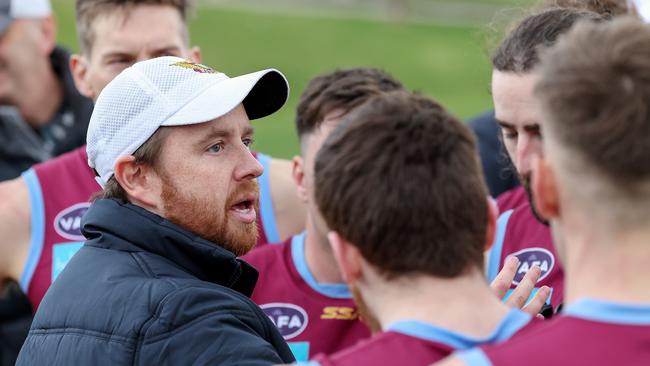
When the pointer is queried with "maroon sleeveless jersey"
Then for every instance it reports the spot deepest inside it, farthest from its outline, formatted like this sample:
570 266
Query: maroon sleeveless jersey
589 332
312 317
520 234
417 343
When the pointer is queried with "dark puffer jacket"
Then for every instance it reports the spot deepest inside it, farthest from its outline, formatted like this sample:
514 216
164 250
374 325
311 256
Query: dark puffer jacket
143 291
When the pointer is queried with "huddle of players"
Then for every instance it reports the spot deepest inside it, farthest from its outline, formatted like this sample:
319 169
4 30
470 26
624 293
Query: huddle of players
573 76
397 217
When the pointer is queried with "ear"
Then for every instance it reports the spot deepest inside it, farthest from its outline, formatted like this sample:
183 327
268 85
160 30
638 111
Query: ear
545 189
48 34
195 55
347 256
298 172
141 183
493 214
79 70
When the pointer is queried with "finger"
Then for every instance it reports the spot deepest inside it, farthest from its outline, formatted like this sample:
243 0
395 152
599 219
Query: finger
502 281
523 290
537 302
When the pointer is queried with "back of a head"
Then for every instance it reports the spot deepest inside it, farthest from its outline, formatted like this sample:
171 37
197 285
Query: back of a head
595 98
87 12
341 89
519 51
401 180
603 7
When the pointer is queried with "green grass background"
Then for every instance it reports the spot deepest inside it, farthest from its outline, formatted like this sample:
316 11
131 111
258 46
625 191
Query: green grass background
448 63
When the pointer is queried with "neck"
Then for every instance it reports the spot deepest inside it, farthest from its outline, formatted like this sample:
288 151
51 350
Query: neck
319 256
39 105
607 264
463 304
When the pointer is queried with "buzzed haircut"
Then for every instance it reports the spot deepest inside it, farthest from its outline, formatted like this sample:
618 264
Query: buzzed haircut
400 178
594 90
341 89
604 7
519 51
88 10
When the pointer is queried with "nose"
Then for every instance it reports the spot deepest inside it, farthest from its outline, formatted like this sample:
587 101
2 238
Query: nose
248 167
524 154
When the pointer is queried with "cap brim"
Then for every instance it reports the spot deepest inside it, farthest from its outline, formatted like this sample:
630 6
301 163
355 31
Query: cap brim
262 93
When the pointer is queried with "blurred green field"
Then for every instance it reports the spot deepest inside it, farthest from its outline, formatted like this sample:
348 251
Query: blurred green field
445 62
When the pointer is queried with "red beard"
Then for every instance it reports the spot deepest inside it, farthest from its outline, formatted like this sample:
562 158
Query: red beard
208 221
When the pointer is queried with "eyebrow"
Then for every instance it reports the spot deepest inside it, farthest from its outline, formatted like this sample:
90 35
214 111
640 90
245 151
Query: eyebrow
530 128
504 124
165 50
217 132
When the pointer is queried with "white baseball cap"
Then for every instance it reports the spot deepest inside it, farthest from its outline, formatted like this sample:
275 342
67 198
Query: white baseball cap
15 9
171 91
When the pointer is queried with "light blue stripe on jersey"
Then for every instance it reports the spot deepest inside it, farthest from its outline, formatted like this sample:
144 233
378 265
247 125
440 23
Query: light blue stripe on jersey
494 254
509 325
333 290
38 228
309 363
473 357
266 201
609 312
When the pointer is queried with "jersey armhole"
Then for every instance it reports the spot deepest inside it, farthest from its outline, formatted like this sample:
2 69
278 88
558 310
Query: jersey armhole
266 201
37 231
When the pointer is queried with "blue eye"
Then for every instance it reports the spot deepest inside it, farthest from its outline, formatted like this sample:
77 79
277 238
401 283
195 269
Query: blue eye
215 148
248 142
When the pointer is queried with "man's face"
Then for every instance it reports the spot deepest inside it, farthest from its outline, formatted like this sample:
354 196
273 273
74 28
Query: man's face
24 54
124 37
517 113
208 180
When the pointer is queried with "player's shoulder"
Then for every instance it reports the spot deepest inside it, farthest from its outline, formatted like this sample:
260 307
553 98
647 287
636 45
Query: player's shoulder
390 346
512 199
266 254
75 159
363 352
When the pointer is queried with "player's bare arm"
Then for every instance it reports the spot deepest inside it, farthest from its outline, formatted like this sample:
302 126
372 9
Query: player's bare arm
14 228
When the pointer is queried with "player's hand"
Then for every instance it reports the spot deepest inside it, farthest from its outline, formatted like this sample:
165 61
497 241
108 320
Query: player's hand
521 293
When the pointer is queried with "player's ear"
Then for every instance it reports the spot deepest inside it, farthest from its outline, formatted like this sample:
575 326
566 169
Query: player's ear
195 55
493 214
79 70
298 172
141 183
347 256
47 28
545 189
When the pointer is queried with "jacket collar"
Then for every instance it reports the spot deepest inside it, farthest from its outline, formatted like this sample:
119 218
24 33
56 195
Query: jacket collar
113 224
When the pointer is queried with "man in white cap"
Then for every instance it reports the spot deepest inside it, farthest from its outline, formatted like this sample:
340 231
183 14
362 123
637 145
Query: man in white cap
158 279
43 114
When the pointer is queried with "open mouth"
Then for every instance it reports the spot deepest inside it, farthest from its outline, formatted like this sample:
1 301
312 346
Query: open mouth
244 209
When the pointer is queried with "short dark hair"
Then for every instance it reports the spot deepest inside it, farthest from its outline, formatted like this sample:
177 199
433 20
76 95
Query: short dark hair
603 7
595 92
148 154
341 89
88 10
400 178
519 51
